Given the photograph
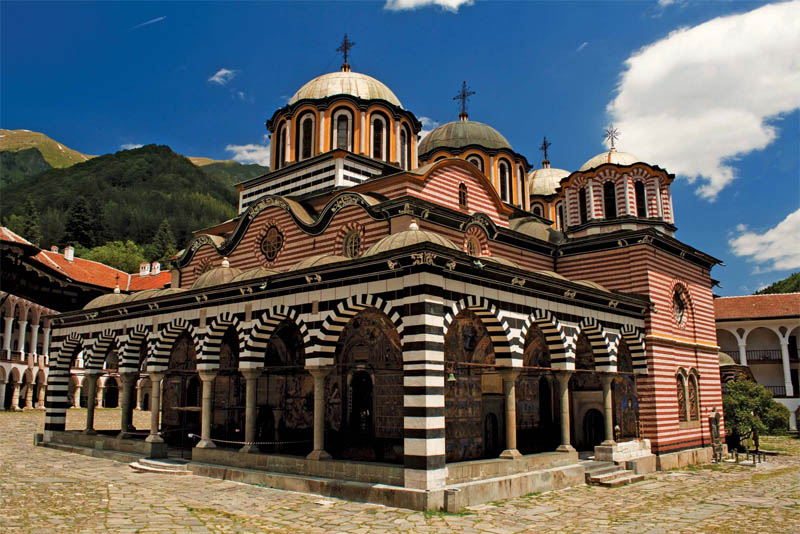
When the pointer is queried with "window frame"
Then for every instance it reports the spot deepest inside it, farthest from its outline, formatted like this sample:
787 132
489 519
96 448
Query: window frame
609 200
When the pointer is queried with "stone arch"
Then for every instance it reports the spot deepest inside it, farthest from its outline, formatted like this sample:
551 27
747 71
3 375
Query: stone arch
162 348
96 355
27 377
560 357
2 376
507 352
129 349
252 357
208 354
13 376
58 383
336 322
604 358
634 337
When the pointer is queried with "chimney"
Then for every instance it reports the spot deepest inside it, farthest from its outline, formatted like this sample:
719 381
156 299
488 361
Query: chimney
69 253
144 268
155 268
54 249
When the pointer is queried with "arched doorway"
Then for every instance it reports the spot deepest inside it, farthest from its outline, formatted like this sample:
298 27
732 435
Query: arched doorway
111 395
586 394
537 430
361 408
593 428
473 392
13 380
229 393
180 411
626 401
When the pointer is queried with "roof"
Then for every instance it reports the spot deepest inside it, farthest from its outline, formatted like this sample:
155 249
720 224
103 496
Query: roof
757 306
348 83
459 134
611 156
8 235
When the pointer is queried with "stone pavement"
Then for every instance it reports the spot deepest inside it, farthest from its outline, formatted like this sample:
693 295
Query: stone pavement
43 490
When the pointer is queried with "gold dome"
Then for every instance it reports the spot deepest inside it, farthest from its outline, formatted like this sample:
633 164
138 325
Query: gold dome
345 83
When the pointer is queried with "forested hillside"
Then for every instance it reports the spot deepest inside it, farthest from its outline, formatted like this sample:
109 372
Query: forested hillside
17 165
790 284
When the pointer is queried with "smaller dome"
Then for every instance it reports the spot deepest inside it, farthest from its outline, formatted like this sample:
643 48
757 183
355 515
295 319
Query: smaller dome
108 299
544 181
725 359
612 156
589 283
217 276
409 237
536 228
345 83
141 295
316 261
254 274
501 261
167 291
459 134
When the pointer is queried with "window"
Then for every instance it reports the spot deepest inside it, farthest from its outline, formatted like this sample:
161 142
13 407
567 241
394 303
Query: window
694 398
560 216
279 152
520 188
641 200
473 246
403 146
272 243
462 195
306 138
378 138
477 161
352 244
610 200
582 205
682 412
678 307
342 133
537 209
503 167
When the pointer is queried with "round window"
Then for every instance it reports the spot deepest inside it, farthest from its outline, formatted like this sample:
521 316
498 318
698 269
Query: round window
678 307
352 244
272 243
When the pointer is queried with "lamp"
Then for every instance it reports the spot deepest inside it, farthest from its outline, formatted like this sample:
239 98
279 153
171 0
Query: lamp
451 377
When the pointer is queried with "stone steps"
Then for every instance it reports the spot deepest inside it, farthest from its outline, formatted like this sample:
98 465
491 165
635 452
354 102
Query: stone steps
608 474
164 467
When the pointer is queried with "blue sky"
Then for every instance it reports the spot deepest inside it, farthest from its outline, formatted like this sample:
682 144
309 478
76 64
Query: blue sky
708 90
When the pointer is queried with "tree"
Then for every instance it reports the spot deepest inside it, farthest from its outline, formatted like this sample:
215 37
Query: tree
749 407
79 228
123 256
163 246
30 223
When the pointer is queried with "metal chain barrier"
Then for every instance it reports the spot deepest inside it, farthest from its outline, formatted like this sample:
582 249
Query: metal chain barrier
254 442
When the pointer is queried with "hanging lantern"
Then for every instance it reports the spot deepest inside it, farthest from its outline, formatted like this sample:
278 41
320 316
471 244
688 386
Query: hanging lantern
451 377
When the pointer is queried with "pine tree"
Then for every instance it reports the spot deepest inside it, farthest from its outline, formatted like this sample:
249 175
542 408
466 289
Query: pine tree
164 245
30 224
79 224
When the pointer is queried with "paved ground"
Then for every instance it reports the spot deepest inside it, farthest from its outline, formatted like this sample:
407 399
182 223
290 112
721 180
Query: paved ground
44 490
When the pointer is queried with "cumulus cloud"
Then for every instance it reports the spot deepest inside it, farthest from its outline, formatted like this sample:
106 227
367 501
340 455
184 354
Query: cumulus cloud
149 22
222 76
697 99
449 5
252 153
130 146
774 250
428 125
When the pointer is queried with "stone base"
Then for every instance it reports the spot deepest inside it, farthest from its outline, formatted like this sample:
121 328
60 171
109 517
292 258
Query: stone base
318 455
674 460
510 454
623 452
107 443
565 448
206 444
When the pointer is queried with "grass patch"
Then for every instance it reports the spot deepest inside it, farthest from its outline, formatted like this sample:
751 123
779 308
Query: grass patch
759 477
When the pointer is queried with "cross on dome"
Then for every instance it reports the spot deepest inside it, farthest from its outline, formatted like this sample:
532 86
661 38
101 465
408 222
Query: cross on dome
611 135
545 145
344 48
463 95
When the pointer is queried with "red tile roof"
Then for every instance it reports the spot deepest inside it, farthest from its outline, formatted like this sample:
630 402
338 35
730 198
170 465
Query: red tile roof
8 235
757 306
140 283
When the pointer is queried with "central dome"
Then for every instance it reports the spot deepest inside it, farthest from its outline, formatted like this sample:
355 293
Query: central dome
463 133
345 83
611 156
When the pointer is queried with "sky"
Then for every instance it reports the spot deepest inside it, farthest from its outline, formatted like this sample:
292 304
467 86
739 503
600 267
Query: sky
708 90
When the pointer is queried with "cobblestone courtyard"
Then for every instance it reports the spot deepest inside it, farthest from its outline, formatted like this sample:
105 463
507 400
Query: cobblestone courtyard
44 490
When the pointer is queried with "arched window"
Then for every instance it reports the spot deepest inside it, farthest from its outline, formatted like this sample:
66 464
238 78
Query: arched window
352 244
281 146
681 385
462 196
560 216
379 138
477 161
343 130
641 200
520 188
504 189
405 148
610 200
537 210
306 137
694 398
582 207
473 246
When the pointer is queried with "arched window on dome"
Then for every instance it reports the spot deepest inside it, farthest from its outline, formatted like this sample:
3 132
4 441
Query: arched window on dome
462 196
477 161
641 199
560 216
280 148
379 138
306 137
342 130
504 182
537 209
520 188
582 206
610 200
405 148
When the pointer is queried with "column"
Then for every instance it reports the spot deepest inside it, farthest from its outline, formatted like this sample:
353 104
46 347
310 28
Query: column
76 396
563 391
2 396
155 407
321 132
787 376
21 340
15 397
742 352
40 400
126 419
91 393
251 386
208 394
7 336
101 395
608 410
34 339
46 344
319 374
363 148
28 396
509 388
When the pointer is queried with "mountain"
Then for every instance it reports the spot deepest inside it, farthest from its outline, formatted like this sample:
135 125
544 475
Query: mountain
128 194
16 165
790 284
54 153
233 172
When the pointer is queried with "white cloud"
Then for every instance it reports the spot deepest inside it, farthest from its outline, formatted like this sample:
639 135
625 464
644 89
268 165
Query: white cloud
776 249
251 153
428 125
149 22
449 5
582 46
130 146
665 3
222 76
695 100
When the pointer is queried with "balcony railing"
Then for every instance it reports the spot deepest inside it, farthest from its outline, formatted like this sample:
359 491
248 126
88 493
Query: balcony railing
758 355
777 391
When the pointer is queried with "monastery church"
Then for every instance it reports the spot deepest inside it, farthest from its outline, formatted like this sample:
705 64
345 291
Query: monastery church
427 324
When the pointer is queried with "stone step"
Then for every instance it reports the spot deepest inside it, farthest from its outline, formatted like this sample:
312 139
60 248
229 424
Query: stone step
629 478
594 467
164 463
601 471
144 468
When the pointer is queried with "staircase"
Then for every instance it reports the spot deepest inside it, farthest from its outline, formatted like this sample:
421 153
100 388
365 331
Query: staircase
608 474
164 466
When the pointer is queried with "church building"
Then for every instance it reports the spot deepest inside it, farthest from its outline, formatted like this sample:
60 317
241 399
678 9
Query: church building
426 323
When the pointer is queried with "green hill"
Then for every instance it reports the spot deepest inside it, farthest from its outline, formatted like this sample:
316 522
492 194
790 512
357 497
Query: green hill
55 153
233 172
128 195
790 284
16 165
